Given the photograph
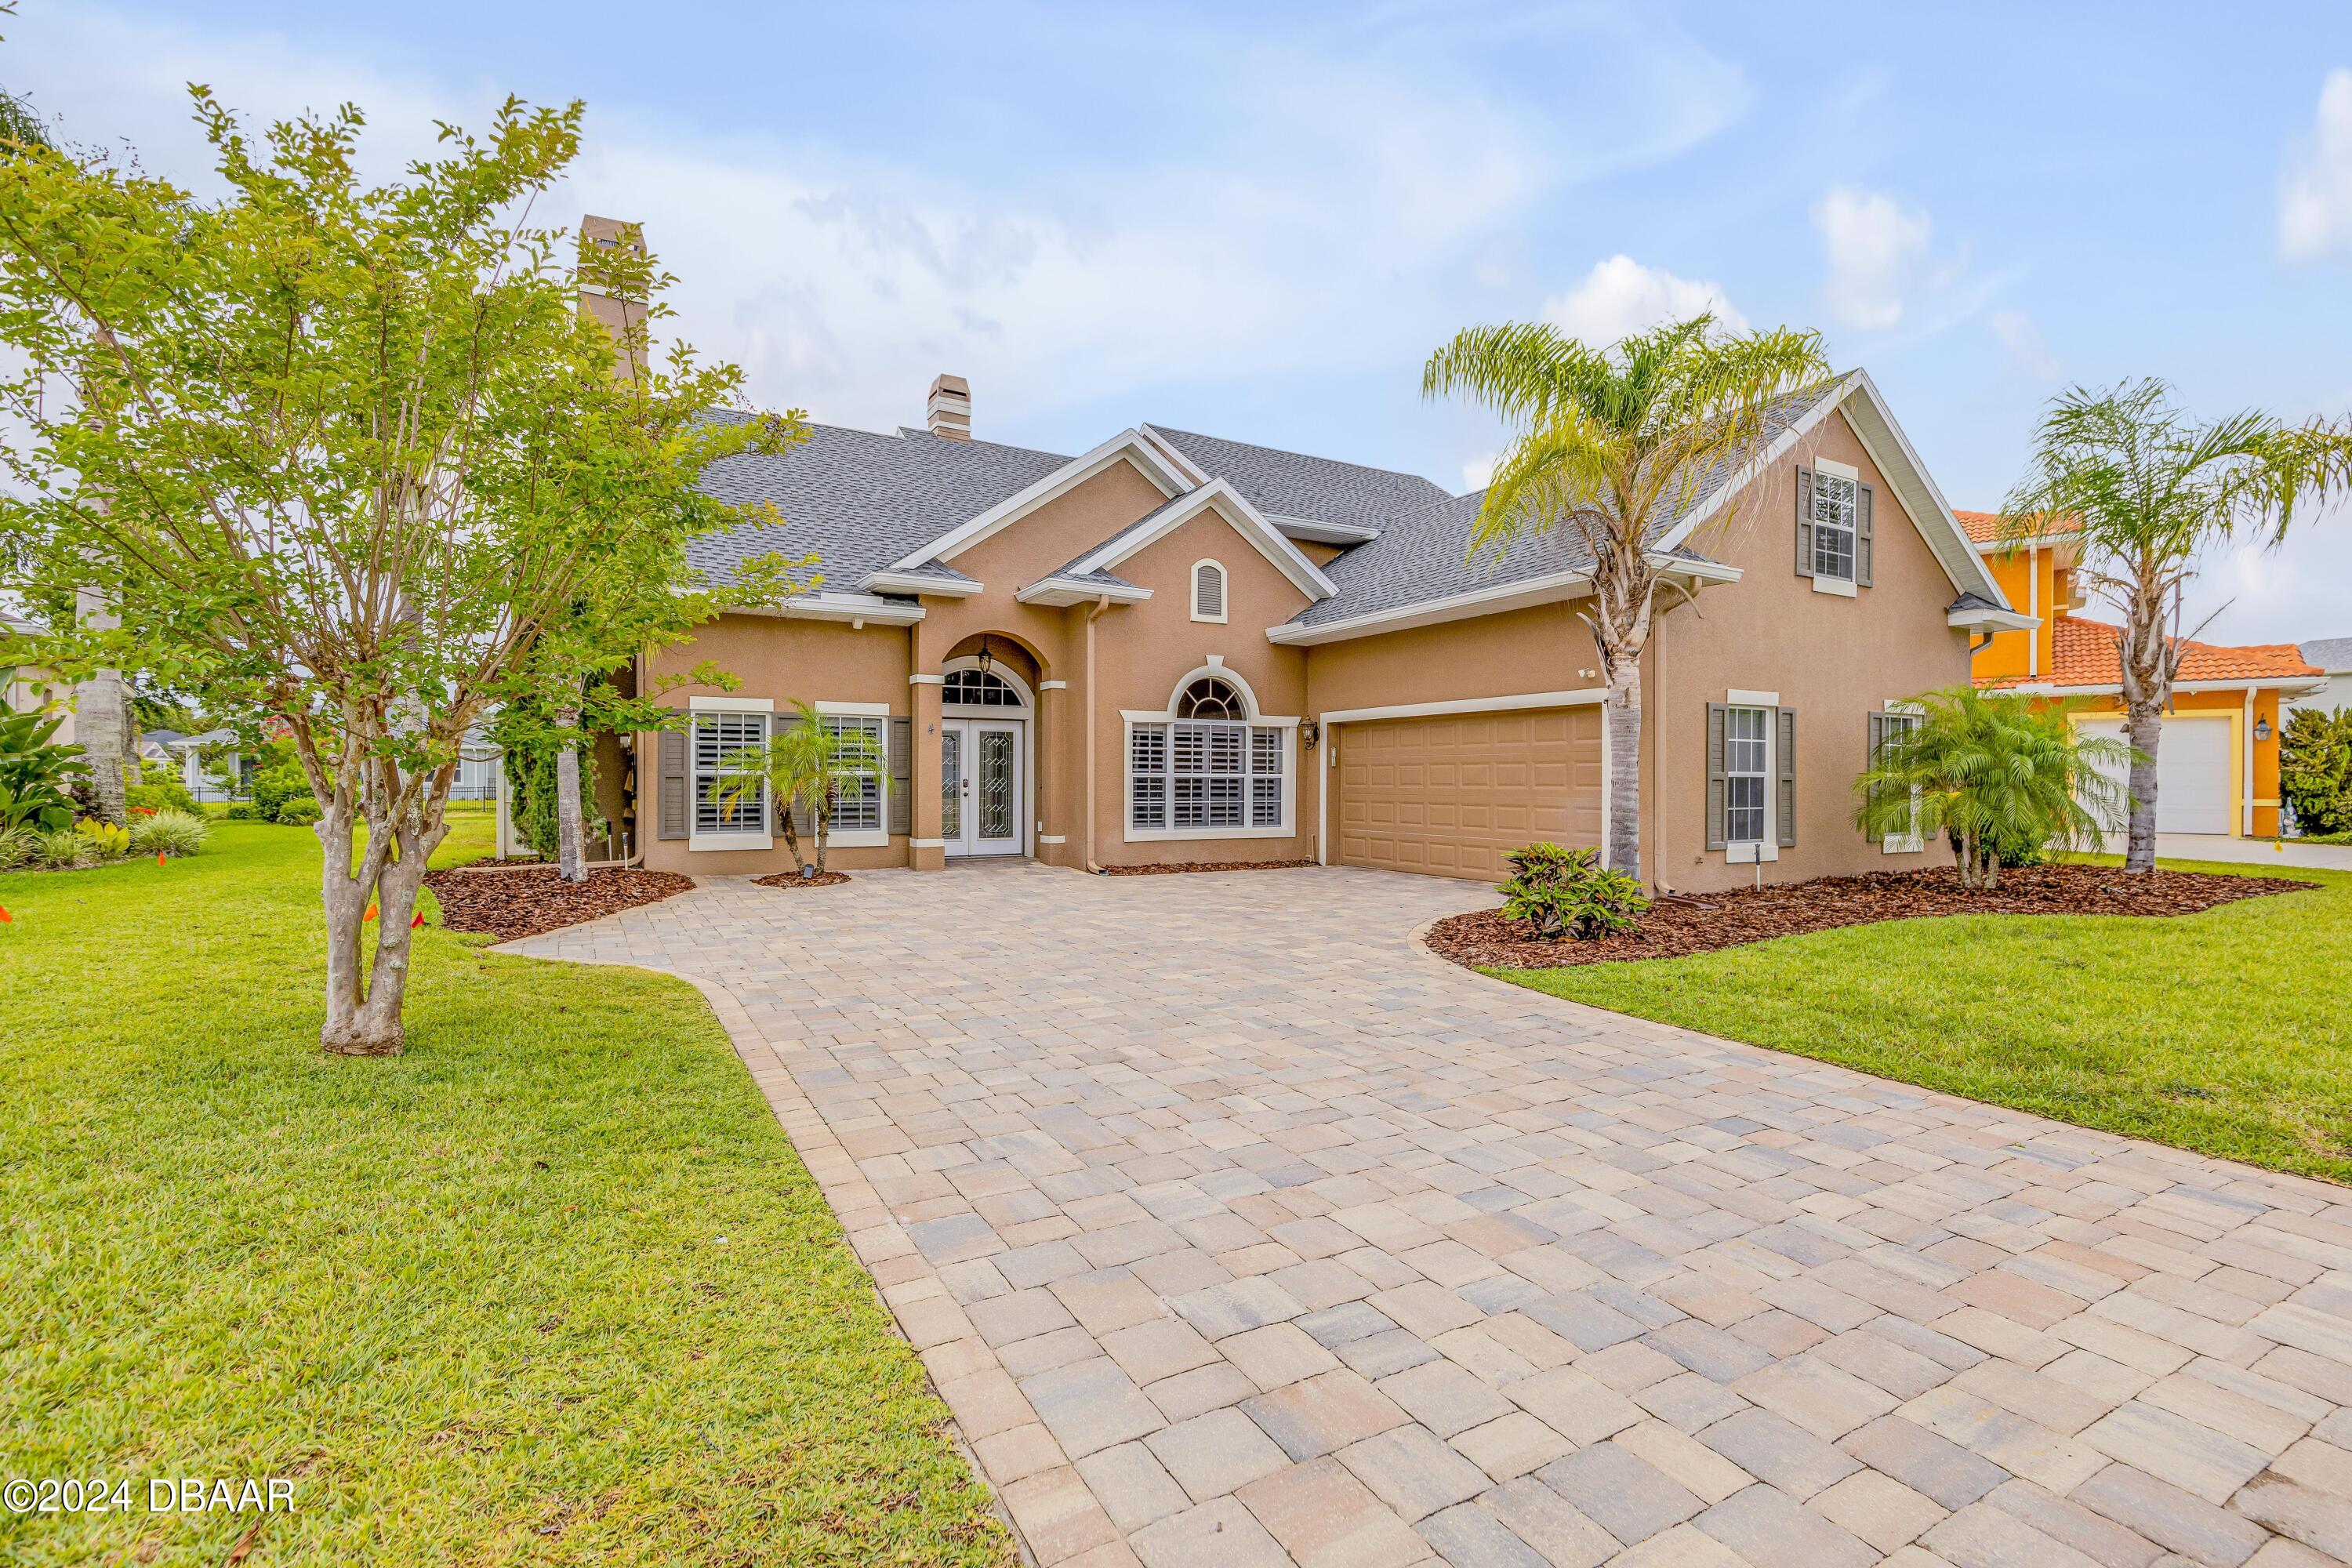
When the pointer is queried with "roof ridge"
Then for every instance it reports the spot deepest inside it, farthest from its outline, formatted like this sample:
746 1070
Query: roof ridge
1294 452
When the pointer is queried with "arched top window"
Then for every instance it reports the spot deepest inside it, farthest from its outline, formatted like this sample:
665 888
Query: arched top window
1208 591
980 688
1209 698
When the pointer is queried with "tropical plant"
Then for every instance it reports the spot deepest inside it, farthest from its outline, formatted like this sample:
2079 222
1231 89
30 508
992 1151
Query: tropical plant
63 849
1568 892
2149 489
351 459
108 841
19 845
1608 445
170 833
804 768
2315 769
1986 769
36 772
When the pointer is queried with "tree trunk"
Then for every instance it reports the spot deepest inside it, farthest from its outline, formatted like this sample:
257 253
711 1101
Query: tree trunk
103 729
345 896
2143 725
571 829
792 839
822 803
1622 717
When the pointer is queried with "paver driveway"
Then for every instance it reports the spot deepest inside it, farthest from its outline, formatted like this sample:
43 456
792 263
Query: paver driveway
1236 1230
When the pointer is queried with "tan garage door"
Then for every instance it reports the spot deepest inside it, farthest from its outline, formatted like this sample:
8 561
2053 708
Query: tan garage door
1450 795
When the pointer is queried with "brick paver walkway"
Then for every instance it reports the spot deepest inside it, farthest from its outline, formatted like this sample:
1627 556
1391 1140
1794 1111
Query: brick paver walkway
1238 1231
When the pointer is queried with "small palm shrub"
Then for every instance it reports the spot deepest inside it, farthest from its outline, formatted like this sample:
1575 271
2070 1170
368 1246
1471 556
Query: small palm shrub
170 833
63 849
2002 776
19 845
1567 892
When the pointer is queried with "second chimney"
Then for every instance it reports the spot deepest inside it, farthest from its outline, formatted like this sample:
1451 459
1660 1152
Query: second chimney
949 414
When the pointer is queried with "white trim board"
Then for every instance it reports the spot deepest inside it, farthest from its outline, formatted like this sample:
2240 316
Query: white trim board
1495 599
1466 705
1243 518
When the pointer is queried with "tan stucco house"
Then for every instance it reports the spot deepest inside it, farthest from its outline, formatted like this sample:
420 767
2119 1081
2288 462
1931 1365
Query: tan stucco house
1180 648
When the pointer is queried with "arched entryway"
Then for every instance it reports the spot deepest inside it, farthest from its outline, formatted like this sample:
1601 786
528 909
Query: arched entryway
987 766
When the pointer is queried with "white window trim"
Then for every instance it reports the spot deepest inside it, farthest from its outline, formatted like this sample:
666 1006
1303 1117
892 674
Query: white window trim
697 840
1843 587
1744 852
981 710
864 837
1225 591
1913 842
1289 826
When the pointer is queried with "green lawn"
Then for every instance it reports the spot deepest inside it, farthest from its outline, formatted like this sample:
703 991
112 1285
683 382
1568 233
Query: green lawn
2224 1032
552 1288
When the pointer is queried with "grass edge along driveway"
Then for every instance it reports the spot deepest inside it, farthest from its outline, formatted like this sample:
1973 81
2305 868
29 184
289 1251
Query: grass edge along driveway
552 1288
2227 1032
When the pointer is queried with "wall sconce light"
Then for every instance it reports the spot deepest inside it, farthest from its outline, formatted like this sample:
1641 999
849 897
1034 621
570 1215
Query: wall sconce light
1309 733
2262 728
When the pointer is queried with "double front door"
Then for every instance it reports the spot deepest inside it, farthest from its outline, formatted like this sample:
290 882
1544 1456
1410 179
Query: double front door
980 785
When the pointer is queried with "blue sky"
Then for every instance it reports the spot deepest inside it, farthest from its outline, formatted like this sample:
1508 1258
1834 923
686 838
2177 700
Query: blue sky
1257 221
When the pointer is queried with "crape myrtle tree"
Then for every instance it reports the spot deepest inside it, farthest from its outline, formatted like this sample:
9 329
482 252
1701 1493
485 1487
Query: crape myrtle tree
2150 488
1607 445
348 456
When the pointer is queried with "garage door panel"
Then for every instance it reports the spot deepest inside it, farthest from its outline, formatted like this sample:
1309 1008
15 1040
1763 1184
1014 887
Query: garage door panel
1451 796
2195 764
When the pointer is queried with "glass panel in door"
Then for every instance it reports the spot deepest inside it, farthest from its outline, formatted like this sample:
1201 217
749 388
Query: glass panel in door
951 785
995 783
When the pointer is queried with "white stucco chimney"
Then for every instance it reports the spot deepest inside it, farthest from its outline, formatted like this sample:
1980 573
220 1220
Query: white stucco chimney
949 414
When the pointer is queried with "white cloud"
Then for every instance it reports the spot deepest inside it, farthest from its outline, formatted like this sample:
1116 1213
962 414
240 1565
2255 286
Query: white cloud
2316 195
2022 341
1326 210
1877 253
1620 296
1478 470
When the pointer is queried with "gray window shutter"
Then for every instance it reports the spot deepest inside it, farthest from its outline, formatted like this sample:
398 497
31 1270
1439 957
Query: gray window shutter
1804 522
676 807
1785 752
1861 536
1877 742
1715 787
902 768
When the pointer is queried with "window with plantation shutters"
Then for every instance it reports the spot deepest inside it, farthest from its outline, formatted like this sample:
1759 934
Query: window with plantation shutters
858 808
728 795
1208 591
1208 769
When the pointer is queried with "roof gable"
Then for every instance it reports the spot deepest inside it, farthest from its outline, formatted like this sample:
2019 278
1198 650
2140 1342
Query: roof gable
1219 497
1128 447
1316 498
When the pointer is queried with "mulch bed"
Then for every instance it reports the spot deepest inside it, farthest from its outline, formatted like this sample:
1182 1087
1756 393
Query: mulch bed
794 879
1171 869
512 904
1675 927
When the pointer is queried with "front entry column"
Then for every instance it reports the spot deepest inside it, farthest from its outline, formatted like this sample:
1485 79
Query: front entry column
925 852
1053 743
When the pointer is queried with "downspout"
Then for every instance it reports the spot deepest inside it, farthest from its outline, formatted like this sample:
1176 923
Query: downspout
1093 610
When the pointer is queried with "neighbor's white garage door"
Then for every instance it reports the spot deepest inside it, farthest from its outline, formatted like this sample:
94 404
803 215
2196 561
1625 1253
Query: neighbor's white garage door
2194 763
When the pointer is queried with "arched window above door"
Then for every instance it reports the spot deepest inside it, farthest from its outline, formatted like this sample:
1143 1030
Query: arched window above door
976 688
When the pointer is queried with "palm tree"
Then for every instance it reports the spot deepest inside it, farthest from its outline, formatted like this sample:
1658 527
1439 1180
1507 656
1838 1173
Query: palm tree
1989 769
2150 489
1612 444
804 767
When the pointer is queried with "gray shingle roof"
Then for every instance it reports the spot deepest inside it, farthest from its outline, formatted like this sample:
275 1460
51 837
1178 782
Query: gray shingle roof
1069 568
1292 484
859 499
1421 555
2333 655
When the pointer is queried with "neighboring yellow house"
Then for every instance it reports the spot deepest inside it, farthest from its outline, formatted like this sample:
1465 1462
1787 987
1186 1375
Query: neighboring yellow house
2218 764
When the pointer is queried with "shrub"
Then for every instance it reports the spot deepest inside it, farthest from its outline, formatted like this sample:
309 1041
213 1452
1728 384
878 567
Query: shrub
242 811
63 849
275 789
1566 893
300 812
108 841
164 795
19 845
2316 770
2012 848
170 833
35 774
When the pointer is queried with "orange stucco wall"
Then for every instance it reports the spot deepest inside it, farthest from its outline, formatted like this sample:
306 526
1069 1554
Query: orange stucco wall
2243 734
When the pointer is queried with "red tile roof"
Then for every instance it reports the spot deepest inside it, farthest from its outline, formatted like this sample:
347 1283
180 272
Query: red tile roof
1984 527
2084 654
